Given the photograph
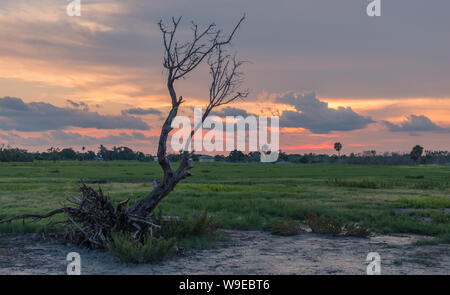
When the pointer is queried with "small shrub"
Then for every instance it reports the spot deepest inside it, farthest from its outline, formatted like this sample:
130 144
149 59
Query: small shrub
427 242
356 230
441 239
441 217
284 227
151 250
426 185
365 183
428 203
187 226
323 224
415 176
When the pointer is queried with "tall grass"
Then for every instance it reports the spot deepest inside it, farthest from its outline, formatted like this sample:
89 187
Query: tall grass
127 249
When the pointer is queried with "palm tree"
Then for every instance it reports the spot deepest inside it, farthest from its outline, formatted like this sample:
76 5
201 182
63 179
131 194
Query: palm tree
416 153
338 147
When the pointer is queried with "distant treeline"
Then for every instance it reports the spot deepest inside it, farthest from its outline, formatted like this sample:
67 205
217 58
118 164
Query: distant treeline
8 154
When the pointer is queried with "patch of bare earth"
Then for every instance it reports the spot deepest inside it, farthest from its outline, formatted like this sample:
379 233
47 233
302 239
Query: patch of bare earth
246 252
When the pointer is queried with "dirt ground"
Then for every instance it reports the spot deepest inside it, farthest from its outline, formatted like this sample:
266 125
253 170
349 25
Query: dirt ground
245 252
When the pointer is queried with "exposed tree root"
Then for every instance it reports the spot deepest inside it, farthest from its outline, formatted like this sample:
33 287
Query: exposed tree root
36 216
93 219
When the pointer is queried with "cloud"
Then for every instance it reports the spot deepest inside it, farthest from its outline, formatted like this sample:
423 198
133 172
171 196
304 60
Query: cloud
61 138
15 114
81 105
414 123
118 43
230 111
141 111
317 117
72 138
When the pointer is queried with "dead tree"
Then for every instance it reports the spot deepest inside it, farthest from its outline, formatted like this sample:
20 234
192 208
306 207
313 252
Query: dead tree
179 61
92 222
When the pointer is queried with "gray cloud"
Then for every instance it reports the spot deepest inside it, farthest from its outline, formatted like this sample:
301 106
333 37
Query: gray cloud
81 105
230 111
15 114
141 111
330 41
414 123
61 138
71 138
316 116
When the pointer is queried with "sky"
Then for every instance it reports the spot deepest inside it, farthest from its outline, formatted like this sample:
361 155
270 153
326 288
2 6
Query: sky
327 69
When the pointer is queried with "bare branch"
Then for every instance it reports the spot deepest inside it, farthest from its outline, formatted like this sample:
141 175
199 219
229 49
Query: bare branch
35 216
181 59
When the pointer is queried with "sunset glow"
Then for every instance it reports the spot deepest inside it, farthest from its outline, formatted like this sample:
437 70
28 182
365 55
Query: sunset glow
371 91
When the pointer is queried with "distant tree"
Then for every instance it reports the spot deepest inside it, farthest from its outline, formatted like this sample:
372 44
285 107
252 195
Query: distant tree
338 147
67 154
282 156
304 159
14 155
416 153
254 156
53 153
102 152
174 157
236 156
219 158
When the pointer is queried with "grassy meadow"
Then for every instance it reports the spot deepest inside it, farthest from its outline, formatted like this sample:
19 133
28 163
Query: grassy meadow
387 199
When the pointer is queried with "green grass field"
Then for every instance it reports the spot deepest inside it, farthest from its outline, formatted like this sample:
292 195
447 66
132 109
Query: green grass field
386 199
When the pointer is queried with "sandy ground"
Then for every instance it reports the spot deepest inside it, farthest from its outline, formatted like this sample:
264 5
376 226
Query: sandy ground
246 252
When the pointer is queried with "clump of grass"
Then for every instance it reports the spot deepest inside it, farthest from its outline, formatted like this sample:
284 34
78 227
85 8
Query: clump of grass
216 188
151 250
426 242
426 185
444 238
415 176
323 225
194 225
284 227
440 217
428 203
441 239
365 183
356 230
194 231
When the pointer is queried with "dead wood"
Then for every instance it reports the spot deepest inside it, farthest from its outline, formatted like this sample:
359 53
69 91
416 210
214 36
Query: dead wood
94 218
